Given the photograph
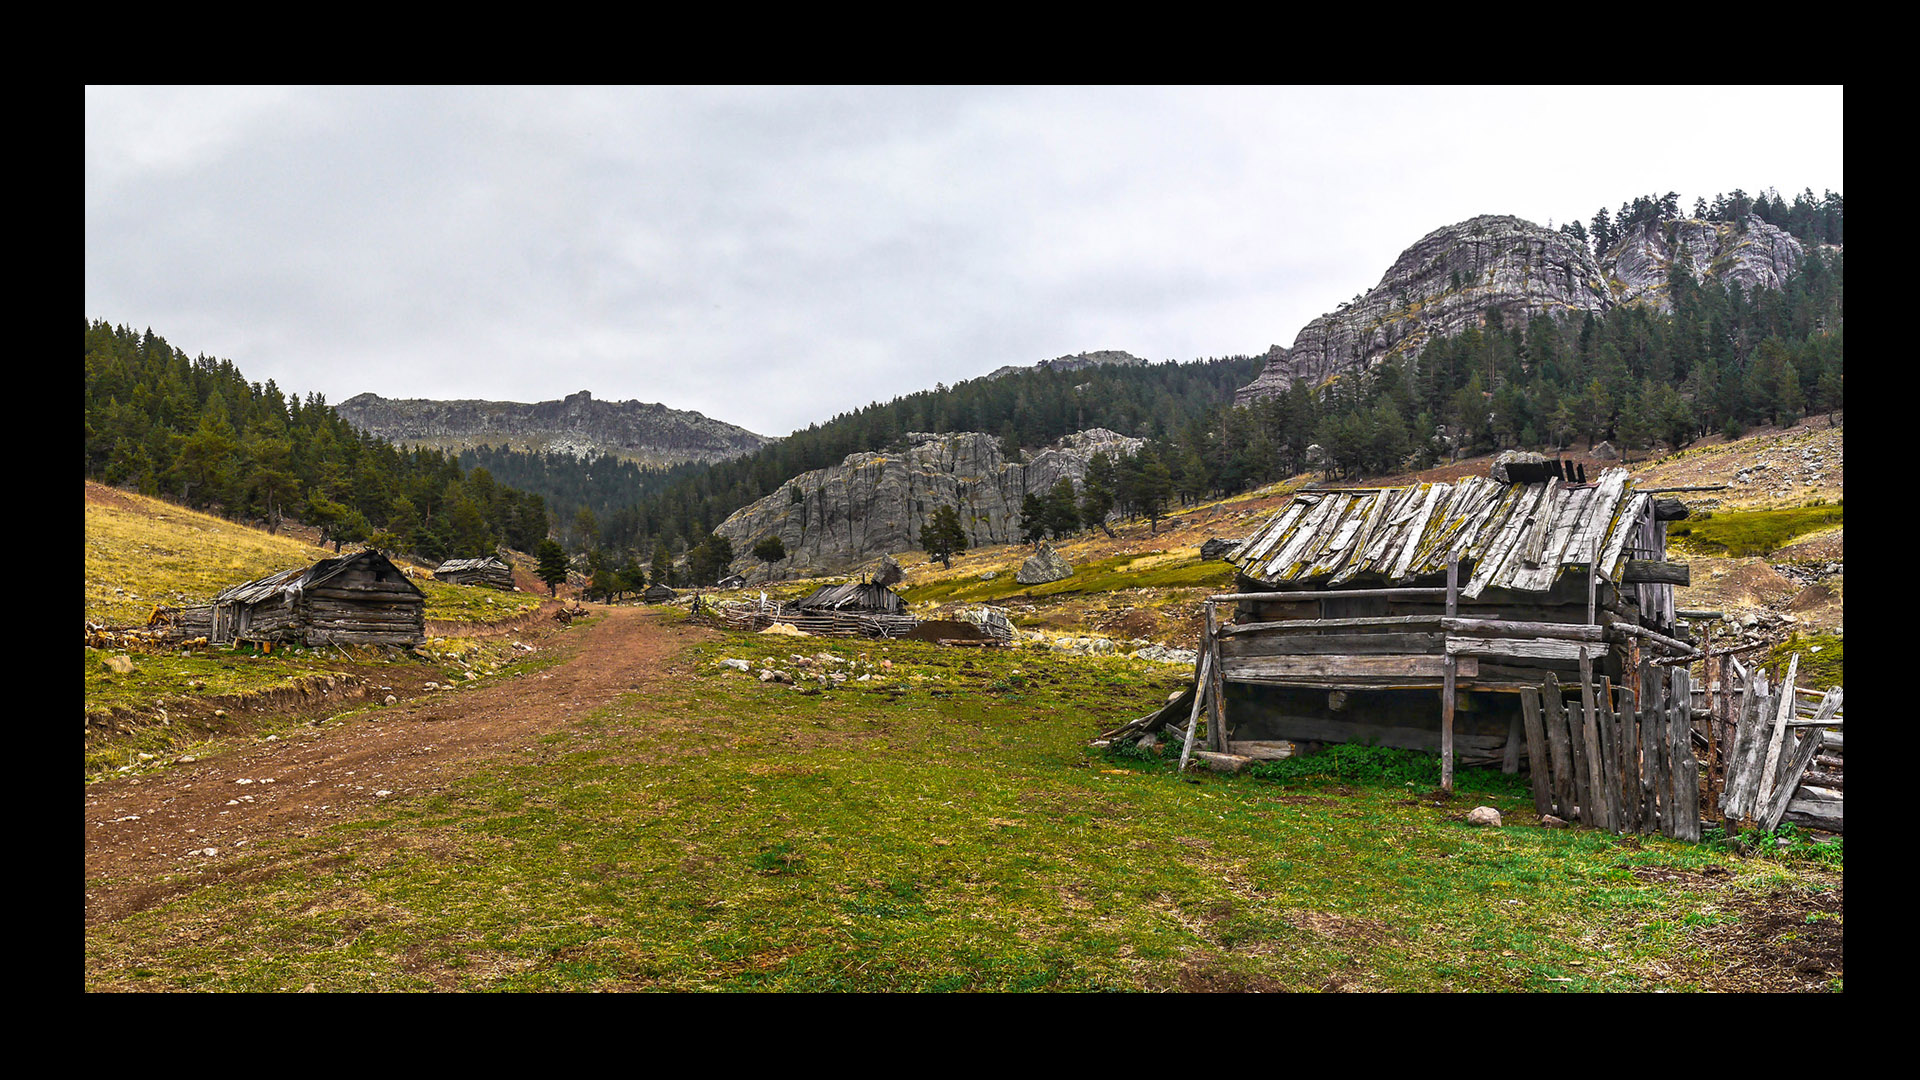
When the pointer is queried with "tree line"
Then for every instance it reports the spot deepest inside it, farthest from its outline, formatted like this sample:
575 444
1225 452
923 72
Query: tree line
195 430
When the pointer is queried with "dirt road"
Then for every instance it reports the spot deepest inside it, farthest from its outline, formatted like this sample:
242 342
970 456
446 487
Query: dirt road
160 835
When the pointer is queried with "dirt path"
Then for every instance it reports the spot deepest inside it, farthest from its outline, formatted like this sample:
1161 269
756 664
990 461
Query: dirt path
149 838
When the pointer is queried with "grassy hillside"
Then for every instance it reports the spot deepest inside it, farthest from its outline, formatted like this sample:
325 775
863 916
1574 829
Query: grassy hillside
144 553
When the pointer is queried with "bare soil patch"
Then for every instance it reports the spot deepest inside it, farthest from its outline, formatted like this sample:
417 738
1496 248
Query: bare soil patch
148 837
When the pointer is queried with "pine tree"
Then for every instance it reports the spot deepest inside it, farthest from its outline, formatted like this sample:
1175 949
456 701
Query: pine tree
553 565
942 537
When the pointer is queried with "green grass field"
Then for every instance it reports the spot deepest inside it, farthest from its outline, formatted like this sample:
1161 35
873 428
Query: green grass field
1751 532
941 826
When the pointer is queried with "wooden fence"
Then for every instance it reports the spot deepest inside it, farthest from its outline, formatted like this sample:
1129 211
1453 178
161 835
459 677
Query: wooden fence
1620 758
1773 751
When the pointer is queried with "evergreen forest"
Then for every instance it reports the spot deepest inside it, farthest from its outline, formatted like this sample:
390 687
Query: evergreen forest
195 430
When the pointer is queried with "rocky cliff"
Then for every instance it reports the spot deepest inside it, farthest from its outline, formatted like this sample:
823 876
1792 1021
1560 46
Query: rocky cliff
1455 276
650 434
1075 362
1440 286
1753 253
872 504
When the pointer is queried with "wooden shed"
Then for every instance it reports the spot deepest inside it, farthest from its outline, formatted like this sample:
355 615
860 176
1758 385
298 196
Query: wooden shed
1438 616
359 599
490 571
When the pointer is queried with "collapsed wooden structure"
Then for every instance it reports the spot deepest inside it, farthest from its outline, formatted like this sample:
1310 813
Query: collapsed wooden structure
1416 617
854 609
1774 752
490 572
358 599
853 597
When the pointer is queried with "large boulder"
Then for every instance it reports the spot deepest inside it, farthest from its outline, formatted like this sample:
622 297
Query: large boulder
889 572
1045 565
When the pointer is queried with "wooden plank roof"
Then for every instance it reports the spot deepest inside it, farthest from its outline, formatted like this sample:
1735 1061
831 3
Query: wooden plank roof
853 596
1518 536
301 578
454 566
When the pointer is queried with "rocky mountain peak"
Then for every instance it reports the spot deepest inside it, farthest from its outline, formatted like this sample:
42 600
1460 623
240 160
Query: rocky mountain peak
1450 280
1455 277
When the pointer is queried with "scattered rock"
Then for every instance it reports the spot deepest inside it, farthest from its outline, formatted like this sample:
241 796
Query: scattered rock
1604 452
889 572
1484 815
1217 548
1551 822
737 664
1045 565
120 665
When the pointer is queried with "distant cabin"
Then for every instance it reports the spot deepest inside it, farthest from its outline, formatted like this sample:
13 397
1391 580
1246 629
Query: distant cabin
489 571
858 596
359 599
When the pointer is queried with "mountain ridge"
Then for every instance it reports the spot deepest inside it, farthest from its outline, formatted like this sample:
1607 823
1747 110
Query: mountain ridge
648 433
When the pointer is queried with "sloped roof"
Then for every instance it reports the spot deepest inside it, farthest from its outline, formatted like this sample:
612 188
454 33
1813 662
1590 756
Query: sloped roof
306 577
854 596
454 566
1518 536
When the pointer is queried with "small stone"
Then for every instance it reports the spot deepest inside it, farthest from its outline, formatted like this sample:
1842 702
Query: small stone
1551 822
736 664
390 700
1484 815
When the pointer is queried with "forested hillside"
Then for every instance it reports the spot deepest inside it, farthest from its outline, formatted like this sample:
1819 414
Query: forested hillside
1025 408
197 431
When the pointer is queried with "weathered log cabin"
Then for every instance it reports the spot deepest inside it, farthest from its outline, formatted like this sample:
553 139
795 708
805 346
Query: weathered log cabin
359 599
1417 617
490 572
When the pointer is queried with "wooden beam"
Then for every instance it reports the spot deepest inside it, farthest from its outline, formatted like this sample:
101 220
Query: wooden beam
1193 720
1655 572
1304 595
1249 668
1446 685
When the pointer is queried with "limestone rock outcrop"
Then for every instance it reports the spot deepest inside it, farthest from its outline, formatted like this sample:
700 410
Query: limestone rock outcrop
1440 286
874 503
1456 277
1753 253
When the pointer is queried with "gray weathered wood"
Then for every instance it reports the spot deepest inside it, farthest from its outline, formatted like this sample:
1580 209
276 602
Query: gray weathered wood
1593 792
1193 720
1649 572
1560 748
1785 713
1539 765
1685 776
1249 668
1793 767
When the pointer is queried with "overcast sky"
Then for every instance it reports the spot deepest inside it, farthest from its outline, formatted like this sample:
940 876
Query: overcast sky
774 256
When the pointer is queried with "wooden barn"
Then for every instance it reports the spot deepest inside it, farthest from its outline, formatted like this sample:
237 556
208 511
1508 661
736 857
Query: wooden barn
490 571
1451 617
359 599
854 597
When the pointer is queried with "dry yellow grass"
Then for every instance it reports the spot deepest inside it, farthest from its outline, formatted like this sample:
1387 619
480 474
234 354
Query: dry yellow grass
143 553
